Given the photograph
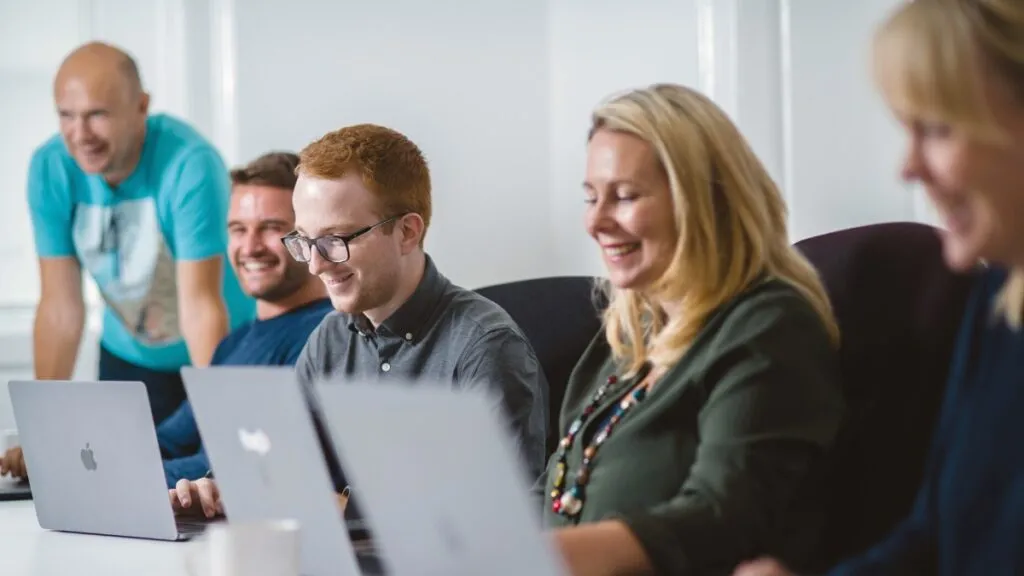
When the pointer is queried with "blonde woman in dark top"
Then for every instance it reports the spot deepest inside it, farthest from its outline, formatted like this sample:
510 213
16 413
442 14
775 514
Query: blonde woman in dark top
952 72
696 425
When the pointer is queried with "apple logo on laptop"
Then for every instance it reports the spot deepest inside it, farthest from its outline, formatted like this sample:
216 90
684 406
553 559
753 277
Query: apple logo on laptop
256 441
88 458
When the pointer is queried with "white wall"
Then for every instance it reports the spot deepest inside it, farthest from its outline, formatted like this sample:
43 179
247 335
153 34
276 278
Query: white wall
466 81
842 150
598 48
497 93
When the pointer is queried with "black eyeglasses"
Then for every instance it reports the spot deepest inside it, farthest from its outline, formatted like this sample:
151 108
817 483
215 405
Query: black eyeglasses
332 247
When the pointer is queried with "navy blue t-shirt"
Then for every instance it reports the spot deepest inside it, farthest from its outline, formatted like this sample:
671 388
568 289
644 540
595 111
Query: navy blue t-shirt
969 514
275 341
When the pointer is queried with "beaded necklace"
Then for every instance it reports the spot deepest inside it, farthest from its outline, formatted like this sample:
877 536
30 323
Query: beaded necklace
569 502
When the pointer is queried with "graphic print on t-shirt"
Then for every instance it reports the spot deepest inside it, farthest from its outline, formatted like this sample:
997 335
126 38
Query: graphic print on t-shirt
123 249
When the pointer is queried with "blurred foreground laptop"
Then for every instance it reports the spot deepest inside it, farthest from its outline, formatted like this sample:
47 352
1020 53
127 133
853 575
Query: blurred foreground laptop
268 463
93 459
439 479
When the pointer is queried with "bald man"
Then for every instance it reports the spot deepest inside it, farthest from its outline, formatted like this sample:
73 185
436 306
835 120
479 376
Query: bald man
138 201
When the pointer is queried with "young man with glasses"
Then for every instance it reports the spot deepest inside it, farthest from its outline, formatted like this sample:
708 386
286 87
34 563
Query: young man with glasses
362 209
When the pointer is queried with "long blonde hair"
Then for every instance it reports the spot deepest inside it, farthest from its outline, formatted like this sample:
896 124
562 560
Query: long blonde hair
730 219
929 62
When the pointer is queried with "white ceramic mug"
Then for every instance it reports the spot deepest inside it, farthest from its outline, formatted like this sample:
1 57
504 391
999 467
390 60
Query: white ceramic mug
268 548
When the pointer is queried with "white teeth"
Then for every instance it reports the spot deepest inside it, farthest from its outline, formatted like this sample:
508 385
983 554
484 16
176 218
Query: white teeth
255 266
621 250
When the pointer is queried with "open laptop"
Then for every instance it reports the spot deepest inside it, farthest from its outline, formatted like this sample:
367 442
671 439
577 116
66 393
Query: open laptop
266 457
14 489
439 478
93 459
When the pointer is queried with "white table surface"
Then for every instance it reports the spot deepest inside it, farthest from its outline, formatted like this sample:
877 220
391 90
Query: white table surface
28 550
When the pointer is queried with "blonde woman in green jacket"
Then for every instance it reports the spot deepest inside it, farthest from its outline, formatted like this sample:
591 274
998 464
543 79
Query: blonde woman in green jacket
696 426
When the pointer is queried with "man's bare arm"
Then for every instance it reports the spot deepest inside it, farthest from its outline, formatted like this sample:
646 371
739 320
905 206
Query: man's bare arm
201 309
60 318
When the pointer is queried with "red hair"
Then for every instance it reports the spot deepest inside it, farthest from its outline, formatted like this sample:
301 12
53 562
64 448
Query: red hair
391 166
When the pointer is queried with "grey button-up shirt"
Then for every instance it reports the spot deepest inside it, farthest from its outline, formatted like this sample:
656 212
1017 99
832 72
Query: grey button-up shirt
443 333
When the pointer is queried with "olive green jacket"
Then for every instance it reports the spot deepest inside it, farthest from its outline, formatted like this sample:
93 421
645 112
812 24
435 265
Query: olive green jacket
723 459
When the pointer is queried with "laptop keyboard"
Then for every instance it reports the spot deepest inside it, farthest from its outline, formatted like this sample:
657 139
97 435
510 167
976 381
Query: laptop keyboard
11 489
193 526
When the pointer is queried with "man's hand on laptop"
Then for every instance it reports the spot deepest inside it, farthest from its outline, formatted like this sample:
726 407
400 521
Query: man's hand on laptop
197 497
13 463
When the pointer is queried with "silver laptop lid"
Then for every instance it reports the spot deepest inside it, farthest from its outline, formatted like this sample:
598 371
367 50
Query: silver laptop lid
259 437
92 457
438 477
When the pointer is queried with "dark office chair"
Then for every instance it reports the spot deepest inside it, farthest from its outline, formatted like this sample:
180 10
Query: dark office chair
899 308
559 316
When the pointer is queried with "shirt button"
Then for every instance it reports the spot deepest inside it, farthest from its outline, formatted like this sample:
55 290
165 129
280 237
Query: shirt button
408 336
385 367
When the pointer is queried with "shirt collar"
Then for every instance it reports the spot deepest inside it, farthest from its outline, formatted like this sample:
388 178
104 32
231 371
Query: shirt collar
410 319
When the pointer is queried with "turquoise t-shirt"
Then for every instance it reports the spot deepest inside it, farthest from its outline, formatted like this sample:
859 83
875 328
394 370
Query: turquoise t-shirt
172 207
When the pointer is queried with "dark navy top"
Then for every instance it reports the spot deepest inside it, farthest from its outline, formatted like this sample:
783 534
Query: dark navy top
969 515
275 341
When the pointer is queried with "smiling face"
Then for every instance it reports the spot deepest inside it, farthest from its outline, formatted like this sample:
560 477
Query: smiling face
257 219
370 278
629 208
976 187
954 82
102 118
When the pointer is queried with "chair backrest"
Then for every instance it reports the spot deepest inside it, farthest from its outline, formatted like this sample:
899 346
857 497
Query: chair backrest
560 316
899 308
